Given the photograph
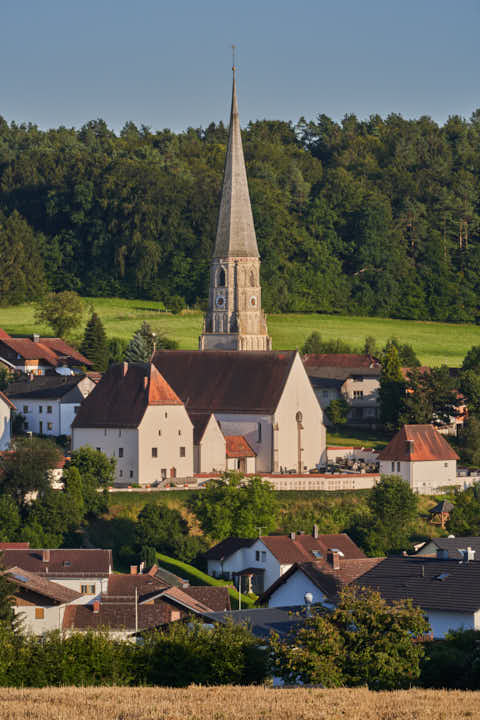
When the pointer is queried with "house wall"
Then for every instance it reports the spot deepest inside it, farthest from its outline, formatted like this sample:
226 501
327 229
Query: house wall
248 426
211 450
423 477
292 592
167 428
100 583
442 621
4 425
298 396
38 419
246 558
53 618
109 441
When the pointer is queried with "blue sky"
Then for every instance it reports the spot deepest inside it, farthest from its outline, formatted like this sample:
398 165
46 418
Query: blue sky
167 64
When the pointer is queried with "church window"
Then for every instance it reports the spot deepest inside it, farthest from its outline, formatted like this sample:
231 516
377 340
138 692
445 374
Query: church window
221 278
259 432
252 278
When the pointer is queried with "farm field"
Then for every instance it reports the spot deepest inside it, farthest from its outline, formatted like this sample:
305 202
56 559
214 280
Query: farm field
434 343
227 703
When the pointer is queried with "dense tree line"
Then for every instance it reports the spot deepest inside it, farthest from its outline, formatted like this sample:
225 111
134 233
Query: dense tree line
376 217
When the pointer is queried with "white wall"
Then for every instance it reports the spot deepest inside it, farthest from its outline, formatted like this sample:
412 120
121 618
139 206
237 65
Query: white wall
298 396
423 477
4 425
167 428
211 450
292 592
100 583
109 441
247 425
67 416
53 618
30 409
441 621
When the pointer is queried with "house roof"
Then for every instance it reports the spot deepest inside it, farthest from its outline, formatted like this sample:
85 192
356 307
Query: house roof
263 621
442 507
224 381
338 360
199 422
44 386
216 598
34 583
61 563
238 447
446 585
418 442
122 396
8 402
167 577
227 547
123 585
454 545
116 616
324 576
52 350
28 350
303 547
64 350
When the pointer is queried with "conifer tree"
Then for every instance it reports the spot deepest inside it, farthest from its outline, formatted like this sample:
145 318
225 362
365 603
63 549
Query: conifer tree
7 615
144 342
95 344
392 388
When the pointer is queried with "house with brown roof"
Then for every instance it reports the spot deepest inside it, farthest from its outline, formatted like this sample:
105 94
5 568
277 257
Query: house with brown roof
135 416
256 563
264 397
40 355
6 408
351 376
422 457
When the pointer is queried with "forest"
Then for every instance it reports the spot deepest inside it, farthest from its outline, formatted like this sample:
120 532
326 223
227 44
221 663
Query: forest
362 217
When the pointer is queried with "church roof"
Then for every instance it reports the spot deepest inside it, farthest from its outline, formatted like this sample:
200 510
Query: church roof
226 381
235 228
122 396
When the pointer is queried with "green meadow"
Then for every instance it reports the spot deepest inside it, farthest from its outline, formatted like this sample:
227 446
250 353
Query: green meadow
434 343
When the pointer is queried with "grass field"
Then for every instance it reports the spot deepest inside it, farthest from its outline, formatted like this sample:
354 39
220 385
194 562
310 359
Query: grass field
434 343
231 703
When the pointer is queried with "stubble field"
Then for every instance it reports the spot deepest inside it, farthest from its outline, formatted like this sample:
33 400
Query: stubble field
229 703
434 343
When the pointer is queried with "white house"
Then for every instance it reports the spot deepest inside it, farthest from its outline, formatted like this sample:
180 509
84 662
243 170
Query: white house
6 407
257 563
422 457
134 416
49 403
265 397
40 355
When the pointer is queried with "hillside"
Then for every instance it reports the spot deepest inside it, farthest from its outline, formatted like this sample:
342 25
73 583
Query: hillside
434 343
227 703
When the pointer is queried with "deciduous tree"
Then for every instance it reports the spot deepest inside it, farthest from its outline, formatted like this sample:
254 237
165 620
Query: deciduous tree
63 311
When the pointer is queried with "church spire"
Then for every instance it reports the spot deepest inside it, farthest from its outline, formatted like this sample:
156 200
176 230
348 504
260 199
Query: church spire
235 229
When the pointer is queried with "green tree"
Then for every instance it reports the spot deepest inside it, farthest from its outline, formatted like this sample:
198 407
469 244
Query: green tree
391 393
116 350
7 614
313 344
94 345
337 411
370 346
234 505
465 516
63 311
23 277
9 518
430 397
4 375
95 471
469 441
27 468
471 360
365 641
393 507
470 388
161 527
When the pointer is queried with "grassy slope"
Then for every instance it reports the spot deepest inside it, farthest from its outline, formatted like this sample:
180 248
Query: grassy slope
197 577
435 343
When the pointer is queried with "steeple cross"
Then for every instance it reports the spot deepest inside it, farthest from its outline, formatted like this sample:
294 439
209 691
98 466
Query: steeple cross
234 47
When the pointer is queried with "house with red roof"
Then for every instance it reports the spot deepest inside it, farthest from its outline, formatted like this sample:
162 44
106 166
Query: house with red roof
134 416
422 457
6 408
40 355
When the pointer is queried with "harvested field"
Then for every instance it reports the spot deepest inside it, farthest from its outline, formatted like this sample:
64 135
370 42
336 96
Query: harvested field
227 703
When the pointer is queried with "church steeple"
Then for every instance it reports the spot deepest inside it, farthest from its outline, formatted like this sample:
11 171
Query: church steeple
235 320
235 229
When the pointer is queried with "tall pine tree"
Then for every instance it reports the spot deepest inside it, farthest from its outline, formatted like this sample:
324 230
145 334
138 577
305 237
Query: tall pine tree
95 344
144 342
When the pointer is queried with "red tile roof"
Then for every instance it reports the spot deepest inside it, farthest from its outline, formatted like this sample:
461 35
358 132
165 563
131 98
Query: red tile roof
61 563
302 549
37 584
418 442
346 360
215 381
61 349
238 447
122 396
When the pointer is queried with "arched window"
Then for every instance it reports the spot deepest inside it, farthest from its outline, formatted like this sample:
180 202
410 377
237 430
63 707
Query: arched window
299 417
252 278
221 278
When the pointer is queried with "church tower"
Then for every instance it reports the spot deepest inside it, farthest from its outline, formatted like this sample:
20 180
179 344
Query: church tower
235 319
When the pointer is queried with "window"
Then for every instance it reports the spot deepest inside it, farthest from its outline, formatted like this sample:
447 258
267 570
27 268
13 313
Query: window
325 393
260 555
40 408
259 432
221 278
87 589
39 613
160 433
25 408
98 449
49 409
393 467
120 473
179 432
119 433
131 473
154 452
49 426
166 414
182 452
445 464
398 467
120 452
75 409
357 394
163 473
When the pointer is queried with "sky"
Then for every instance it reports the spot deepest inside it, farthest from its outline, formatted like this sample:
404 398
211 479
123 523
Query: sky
167 64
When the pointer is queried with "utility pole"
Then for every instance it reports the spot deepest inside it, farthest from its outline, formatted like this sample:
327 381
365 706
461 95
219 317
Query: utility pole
136 611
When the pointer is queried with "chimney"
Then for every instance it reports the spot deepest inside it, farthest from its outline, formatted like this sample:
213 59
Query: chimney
334 559
96 607
36 337
133 569
292 536
315 531
124 368
442 554
45 556
410 447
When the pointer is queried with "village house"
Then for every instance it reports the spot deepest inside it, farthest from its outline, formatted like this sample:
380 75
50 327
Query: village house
49 403
422 457
134 416
40 355
264 397
256 563
6 408
451 548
